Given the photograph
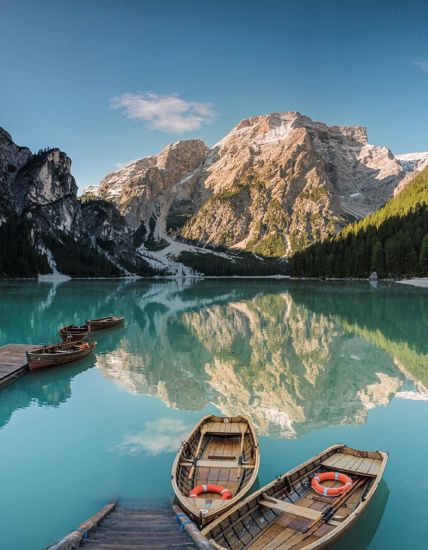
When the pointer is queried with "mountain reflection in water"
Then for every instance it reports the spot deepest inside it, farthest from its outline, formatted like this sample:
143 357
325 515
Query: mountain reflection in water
292 358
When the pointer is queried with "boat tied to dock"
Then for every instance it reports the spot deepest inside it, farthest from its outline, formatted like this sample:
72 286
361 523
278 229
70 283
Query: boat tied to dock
289 514
215 467
58 354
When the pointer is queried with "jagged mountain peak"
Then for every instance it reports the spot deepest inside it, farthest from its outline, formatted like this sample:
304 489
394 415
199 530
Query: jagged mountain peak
275 127
272 185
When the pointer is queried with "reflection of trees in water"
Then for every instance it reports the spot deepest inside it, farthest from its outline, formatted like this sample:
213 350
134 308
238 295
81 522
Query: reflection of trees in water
47 388
288 367
392 318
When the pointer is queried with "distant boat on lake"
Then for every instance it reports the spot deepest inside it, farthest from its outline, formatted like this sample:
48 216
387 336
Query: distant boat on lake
296 511
105 322
58 354
216 466
74 333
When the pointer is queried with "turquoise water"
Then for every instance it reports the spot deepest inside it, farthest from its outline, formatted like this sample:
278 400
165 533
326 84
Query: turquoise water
311 363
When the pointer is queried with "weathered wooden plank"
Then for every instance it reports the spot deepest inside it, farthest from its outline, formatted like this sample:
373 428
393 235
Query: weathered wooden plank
291 508
13 362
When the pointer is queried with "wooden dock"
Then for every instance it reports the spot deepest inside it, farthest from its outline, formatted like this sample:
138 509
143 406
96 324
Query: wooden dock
13 362
134 528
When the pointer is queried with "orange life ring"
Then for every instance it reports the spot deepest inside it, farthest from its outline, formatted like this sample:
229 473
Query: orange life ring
331 491
210 488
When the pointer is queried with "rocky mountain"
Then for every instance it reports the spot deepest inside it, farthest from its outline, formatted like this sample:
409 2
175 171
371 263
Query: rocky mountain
43 227
412 164
393 241
274 184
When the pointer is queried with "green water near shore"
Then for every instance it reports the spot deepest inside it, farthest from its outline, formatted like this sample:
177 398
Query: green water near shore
311 363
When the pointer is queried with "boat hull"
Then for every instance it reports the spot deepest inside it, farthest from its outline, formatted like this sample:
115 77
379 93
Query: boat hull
288 513
74 334
39 360
108 322
222 451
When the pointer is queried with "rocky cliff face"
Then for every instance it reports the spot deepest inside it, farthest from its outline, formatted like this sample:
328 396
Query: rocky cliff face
274 184
46 193
40 209
412 163
145 189
12 159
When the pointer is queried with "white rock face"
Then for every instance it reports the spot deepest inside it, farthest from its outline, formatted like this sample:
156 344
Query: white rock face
272 185
413 161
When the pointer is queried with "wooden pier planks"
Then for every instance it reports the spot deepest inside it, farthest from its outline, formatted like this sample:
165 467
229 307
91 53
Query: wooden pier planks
13 362
139 528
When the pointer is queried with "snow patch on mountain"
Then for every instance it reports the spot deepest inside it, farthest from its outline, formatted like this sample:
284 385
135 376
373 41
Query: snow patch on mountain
413 161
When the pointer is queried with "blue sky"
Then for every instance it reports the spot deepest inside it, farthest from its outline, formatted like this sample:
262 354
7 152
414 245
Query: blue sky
109 81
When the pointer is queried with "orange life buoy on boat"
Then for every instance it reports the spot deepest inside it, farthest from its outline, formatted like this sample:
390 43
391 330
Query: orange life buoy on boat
211 488
331 491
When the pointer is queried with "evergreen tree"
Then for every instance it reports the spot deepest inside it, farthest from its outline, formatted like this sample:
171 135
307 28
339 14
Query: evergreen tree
377 261
423 256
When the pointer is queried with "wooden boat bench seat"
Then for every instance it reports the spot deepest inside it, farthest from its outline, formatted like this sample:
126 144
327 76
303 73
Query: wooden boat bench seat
225 428
290 508
217 464
358 465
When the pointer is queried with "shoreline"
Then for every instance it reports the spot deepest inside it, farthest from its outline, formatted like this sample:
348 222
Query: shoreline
421 282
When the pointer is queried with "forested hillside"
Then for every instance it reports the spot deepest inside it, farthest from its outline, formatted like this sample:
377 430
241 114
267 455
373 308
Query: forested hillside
393 241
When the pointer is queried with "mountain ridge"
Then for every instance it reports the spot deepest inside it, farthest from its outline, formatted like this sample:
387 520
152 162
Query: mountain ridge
257 187
268 189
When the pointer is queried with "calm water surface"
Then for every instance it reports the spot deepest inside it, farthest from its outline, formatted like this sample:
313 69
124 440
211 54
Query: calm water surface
311 363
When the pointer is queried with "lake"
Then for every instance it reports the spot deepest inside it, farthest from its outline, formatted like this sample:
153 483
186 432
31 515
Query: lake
311 363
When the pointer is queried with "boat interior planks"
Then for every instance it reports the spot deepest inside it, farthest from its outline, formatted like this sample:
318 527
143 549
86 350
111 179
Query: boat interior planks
220 451
288 514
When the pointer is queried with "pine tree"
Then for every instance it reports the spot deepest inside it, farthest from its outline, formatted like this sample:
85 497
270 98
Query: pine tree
423 256
377 261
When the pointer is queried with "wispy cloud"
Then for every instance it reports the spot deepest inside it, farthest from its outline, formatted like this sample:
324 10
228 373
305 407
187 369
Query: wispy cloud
422 64
162 436
169 113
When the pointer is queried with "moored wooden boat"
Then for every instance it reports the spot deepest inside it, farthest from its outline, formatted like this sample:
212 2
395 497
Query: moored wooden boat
287 514
58 354
105 322
218 461
74 333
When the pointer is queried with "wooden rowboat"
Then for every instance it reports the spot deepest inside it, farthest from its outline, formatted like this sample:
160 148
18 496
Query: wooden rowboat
59 354
105 322
220 451
74 333
287 514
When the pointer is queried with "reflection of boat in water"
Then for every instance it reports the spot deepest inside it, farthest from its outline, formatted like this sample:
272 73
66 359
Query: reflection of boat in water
44 388
361 534
288 513
216 466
